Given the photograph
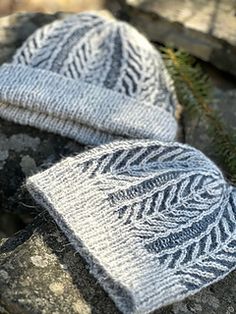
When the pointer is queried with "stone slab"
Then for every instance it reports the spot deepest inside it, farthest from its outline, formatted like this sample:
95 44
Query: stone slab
41 273
205 29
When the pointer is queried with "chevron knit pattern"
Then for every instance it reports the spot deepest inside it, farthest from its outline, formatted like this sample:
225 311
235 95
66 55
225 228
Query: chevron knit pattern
155 221
92 79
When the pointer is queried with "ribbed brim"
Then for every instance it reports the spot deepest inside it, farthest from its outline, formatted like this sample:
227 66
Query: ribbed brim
77 193
87 113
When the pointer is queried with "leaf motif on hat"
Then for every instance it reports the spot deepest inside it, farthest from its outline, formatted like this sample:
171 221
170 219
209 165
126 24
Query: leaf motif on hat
176 202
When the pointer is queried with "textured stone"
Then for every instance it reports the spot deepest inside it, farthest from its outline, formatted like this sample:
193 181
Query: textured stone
28 165
10 6
13 31
41 273
196 130
24 151
206 29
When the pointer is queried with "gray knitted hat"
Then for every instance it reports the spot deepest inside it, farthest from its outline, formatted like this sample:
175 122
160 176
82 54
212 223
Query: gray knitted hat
92 79
155 221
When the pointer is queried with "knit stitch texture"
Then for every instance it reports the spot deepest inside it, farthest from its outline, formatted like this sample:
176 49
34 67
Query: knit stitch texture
155 221
92 79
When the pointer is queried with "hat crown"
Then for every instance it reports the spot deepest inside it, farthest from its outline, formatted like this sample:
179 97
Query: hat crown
171 196
102 52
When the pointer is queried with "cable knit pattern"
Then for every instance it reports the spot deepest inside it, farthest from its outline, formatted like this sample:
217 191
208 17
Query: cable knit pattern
155 221
108 57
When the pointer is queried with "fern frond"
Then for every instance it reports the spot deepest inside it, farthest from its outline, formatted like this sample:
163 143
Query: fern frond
194 92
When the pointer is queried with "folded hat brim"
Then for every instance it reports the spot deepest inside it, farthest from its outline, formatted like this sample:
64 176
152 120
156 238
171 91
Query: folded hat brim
58 98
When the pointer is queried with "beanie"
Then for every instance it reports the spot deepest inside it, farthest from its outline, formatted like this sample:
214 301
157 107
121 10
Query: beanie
92 79
155 221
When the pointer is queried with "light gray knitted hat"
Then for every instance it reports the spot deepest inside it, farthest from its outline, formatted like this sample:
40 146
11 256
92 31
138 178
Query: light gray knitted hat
155 221
92 79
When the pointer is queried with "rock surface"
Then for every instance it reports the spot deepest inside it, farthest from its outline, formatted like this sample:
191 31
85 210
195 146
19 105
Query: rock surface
13 31
10 6
205 29
40 273
196 131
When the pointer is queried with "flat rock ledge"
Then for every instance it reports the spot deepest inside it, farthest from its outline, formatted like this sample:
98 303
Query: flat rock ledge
205 29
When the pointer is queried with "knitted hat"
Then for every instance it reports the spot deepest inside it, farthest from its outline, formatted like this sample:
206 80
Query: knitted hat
92 79
155 221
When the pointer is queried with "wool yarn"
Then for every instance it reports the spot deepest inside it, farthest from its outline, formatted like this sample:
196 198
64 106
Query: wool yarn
92 79
155 221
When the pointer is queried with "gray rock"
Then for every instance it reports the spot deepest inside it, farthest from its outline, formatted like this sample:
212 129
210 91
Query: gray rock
3 310
13 31
28 165
196 129
205 29
24 151
41 273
